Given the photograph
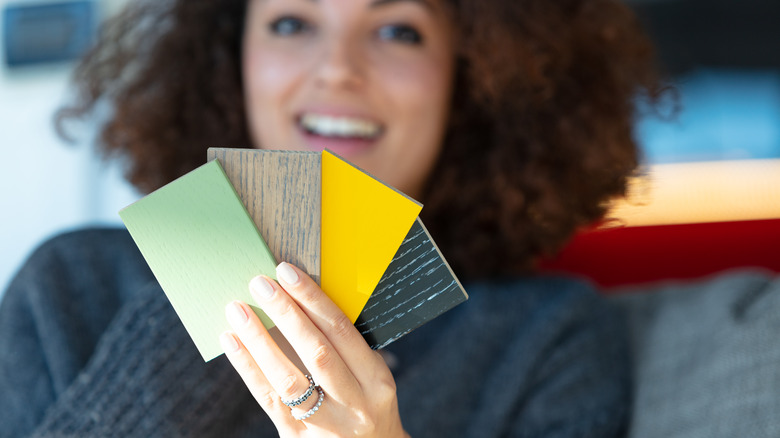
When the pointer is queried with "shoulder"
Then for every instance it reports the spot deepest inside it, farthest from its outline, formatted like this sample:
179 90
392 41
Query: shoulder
75 246
539 298
96 254
539 315
549 286
85 238
551 320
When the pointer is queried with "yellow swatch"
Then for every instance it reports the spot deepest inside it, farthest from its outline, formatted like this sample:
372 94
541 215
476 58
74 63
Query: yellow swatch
364 222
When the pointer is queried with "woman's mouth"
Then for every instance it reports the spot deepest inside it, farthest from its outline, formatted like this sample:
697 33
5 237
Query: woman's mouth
344 135
340 127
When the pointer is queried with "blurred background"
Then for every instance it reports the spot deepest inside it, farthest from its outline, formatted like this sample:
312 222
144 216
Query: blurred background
47 185
724 56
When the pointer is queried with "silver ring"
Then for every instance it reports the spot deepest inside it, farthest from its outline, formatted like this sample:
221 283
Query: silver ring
305 396
316 407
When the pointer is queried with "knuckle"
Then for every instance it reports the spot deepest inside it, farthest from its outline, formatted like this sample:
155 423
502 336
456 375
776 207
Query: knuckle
322 357
242 362
366 426
342 326
385 389
362 420
389 386
290 388
286 308
308 292
385 396
254 336
267 399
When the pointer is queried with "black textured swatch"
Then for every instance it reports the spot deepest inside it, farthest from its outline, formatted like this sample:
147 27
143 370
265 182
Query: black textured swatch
417 286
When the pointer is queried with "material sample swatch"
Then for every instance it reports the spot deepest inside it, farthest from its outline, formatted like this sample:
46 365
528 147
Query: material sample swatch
281 193
203 248
364 222
417 287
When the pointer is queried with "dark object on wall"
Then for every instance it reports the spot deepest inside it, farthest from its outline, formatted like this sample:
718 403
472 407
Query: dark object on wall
713 33
47 32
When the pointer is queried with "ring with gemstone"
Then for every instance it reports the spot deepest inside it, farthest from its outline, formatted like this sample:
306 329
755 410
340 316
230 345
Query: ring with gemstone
303 397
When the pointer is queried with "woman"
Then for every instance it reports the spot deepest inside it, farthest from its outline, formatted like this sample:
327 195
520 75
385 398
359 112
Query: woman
511 121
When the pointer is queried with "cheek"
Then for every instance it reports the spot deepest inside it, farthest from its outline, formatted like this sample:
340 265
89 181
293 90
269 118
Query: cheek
419 94
270 80
267 76
421 90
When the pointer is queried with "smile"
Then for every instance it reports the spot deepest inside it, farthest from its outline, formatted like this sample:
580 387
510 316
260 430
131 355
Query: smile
340 127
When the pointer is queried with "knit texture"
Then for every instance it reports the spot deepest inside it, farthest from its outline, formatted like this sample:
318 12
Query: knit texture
90 347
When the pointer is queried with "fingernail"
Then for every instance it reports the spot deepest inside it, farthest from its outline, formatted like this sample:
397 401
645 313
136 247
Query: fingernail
235 313
261 289
228 342
286 272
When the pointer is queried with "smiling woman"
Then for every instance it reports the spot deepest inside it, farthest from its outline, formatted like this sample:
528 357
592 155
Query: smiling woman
369 80
512 121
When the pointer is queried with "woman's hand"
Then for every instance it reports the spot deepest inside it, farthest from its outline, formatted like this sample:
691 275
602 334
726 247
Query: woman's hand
358 390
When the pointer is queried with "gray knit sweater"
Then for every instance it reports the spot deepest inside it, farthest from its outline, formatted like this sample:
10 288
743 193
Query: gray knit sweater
90 347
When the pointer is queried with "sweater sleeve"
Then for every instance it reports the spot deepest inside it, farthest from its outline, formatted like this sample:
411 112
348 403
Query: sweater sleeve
146 379
52 315
91 348
26 386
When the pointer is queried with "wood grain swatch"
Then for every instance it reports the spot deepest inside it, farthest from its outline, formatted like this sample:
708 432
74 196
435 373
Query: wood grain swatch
281 191
417 286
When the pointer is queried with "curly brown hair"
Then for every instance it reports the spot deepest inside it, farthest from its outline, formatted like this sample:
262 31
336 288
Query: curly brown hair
541 129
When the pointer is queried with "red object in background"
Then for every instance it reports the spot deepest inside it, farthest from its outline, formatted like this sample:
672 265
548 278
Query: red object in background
634 255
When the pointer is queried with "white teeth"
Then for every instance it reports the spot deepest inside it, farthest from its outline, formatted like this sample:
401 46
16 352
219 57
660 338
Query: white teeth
339 126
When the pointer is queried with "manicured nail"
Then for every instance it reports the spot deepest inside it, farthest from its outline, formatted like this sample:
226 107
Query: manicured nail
235 313
228 342
287 273
261 289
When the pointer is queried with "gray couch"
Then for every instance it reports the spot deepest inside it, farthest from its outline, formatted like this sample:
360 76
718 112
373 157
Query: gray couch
707 356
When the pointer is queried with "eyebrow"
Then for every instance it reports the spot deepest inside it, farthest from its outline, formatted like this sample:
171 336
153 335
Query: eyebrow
424 3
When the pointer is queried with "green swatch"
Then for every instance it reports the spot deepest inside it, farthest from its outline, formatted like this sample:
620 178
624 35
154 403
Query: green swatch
203 248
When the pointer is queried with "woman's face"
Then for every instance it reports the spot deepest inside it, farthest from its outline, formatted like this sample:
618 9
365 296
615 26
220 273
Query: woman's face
369 80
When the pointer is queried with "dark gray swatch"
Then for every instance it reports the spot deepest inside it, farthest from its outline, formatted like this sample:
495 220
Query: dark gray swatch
417 286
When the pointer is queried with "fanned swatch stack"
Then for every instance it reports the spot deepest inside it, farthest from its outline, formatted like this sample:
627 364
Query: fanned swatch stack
206 234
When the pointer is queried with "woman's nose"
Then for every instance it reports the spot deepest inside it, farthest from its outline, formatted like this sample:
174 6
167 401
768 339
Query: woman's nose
341 64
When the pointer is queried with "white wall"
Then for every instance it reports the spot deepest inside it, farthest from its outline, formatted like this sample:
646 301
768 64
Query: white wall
46 185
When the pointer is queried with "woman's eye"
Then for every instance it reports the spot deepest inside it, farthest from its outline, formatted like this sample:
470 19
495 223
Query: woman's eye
286 26
401 33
